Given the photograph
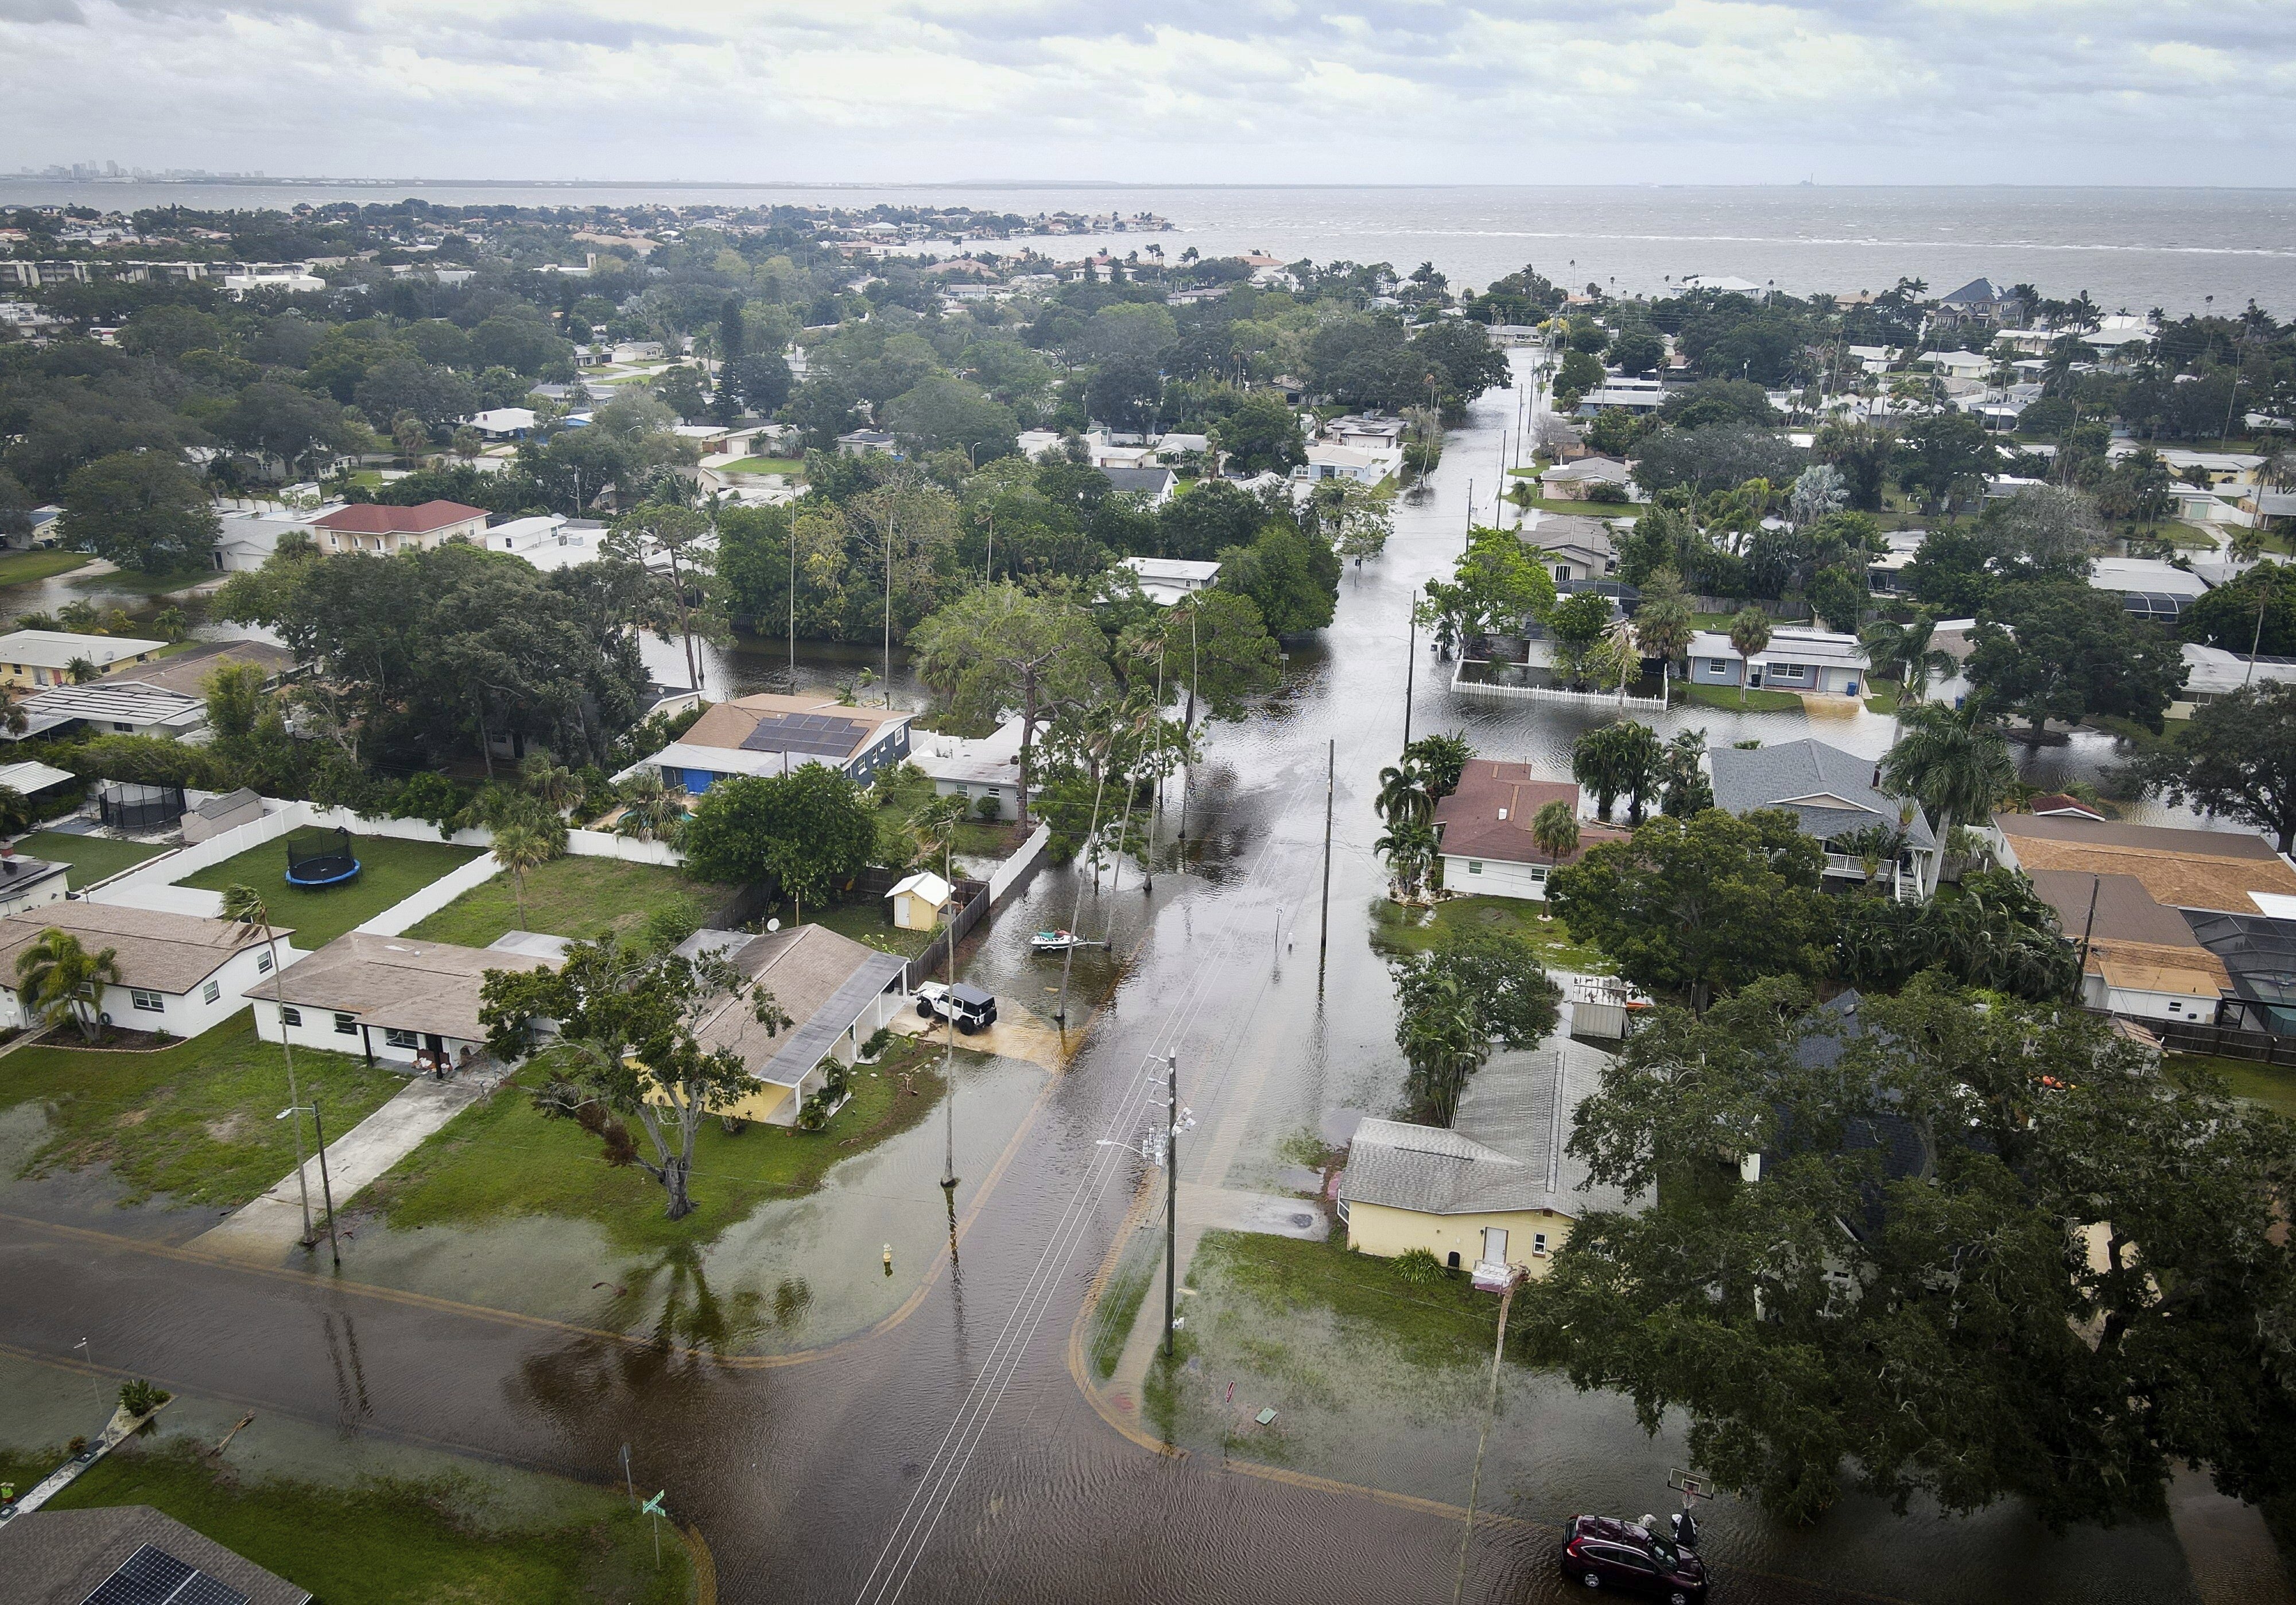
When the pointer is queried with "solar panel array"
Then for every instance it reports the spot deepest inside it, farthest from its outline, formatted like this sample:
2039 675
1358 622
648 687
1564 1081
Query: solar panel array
813 733
154 1577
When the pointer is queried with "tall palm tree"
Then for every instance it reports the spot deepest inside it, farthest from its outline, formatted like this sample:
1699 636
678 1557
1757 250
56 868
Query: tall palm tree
1903 652
1443 1040
244 906
1410 849
552 784
57 978
1750 633
1554 832
1955 762
650 806
519 848
1664 622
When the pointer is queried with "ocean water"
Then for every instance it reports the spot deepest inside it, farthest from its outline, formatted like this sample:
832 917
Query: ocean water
2182 250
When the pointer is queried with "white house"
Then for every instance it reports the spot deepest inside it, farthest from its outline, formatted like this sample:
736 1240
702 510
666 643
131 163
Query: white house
1366 432
503 423
389 998
177 972
1570 481
549 540
1483 830
29 882
112 708
1349 462
1571 548
985 768
1167 579
1796 660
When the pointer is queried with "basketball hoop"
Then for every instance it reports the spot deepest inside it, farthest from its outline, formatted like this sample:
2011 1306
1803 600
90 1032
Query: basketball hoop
1692 1486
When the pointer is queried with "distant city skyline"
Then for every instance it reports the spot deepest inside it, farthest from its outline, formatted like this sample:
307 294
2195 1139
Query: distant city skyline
959 91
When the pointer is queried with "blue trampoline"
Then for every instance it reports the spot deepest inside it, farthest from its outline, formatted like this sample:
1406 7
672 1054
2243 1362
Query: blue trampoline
325 860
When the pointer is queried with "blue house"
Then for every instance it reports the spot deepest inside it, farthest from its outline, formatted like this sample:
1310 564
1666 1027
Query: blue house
771 734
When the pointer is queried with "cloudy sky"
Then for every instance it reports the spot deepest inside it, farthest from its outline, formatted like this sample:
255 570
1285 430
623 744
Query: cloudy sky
1194 91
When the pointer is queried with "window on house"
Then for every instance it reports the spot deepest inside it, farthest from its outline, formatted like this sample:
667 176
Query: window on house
1539 1242
211 992
263 962
290 1016
346 1024
1538 872
400 1039
151 1001
1475 866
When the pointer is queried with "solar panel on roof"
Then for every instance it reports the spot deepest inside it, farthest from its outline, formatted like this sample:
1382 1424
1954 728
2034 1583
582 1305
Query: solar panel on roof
809 733
154 1577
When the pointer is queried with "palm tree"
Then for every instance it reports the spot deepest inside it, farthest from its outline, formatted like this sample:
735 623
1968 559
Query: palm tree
1664 622
1617 760
1410 849
554 785
81 670
57 978
1404 797
1554 830
519 848
1750 633
244 906
1902 652
1953 761
652 808
1443 1040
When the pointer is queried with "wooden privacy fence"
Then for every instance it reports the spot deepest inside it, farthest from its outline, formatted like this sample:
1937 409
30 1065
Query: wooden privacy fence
2226 1041
973 899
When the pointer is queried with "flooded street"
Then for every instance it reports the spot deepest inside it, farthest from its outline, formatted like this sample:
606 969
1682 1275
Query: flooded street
947 1453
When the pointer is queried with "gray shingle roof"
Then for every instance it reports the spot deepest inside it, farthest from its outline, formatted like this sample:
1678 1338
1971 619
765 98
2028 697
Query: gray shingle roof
1831 792
1506 1152
820 979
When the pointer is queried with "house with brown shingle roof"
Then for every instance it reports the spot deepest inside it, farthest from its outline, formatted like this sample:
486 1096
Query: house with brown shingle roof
1483 830
178 973
2141 959
2221 869
392 998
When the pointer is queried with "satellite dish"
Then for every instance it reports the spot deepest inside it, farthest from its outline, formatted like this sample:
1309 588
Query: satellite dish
773 925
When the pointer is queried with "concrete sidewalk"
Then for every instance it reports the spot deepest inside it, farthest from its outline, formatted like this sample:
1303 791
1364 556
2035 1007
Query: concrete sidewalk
273 1223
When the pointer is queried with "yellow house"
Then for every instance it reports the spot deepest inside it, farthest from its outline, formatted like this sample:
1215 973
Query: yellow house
32 658
1496 1189
837 993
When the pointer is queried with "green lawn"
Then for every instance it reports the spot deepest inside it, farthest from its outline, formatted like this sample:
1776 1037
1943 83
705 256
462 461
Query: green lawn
1440 1322
383 1541
22 568
1398 929
1119 1303
92 857
194 1121
501 1159
1883 696
765 465
868 923
1757 699
2274 1089
391 870
581 897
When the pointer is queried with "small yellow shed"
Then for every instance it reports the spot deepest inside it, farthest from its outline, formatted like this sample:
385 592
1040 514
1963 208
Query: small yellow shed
923 901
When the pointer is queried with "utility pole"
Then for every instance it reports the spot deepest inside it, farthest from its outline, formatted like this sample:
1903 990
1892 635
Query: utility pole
2088 927
1323 930
1410 667
326 1187
948 1052
1171 1201
2256 641
1490 1408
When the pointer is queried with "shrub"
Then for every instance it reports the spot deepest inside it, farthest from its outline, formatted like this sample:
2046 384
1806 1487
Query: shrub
1613 495
879 1041
1419 1267
987 808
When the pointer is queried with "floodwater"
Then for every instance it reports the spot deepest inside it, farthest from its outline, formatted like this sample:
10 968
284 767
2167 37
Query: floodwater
949 1455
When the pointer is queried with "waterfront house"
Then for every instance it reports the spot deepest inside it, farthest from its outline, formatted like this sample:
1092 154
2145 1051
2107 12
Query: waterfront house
1165 580
977 769
1571 482
1833 794
1498 1188
1795 660
769 734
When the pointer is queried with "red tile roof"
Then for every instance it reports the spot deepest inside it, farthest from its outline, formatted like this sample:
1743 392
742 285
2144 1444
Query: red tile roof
1489 815
373 517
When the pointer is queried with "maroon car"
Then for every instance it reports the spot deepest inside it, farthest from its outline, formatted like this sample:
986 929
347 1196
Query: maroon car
1603 1552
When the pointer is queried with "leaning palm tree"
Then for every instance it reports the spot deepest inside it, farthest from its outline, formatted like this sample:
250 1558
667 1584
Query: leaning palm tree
244 906
1955 762
1750 633
57 978
1903 652
518 848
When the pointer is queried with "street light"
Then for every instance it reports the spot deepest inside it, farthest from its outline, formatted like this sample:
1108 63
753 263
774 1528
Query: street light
327 1188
